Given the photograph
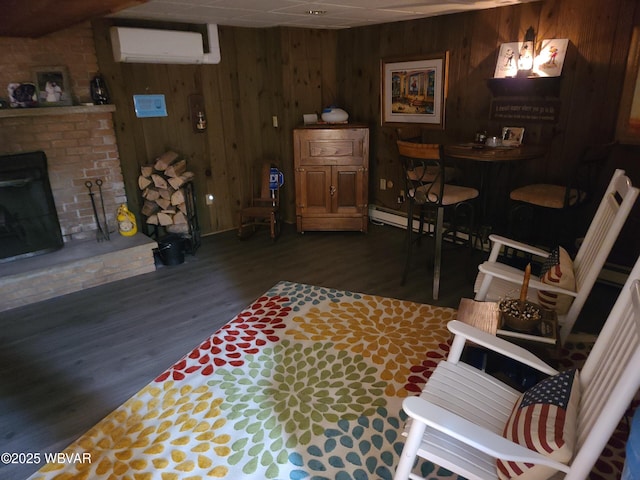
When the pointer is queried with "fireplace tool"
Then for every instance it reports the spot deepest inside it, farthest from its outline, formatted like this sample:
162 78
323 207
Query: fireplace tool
104 214
100 233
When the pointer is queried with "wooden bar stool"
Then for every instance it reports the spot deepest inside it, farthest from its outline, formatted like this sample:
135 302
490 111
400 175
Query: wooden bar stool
557 202
427 189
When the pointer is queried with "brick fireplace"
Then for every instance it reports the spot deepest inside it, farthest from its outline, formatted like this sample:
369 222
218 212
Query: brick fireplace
79 142
80 145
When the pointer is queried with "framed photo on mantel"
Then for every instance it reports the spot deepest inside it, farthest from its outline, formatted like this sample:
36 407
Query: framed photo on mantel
414 90
54 89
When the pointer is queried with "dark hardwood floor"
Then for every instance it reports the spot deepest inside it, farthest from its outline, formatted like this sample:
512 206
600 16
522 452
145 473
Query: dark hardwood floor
69 361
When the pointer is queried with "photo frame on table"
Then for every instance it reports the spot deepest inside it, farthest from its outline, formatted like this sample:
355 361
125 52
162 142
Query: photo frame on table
512 136
414 90
628 125
53 85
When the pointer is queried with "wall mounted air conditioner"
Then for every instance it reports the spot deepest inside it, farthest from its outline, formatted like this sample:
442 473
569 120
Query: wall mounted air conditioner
145 45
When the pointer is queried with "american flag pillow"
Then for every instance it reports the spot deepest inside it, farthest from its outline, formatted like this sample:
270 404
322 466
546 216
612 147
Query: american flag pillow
557 271
544 420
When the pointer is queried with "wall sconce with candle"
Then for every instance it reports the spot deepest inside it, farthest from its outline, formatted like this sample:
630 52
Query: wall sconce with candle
197 113
526 54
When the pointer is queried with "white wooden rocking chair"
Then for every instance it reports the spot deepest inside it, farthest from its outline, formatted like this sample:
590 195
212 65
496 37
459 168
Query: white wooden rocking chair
497 280
459 419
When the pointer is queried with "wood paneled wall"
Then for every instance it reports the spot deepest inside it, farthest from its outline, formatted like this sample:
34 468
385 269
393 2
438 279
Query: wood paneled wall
287 72
263 73
590 88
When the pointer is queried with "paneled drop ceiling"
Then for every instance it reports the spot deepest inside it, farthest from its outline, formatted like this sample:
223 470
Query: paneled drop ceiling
34 18
331 14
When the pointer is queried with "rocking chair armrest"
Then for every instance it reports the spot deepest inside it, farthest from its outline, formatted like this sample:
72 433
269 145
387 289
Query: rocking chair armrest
499 241
464 332
508 273
474 435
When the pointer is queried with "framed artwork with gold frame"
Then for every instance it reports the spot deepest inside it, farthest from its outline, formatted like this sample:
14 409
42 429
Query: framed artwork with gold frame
414 90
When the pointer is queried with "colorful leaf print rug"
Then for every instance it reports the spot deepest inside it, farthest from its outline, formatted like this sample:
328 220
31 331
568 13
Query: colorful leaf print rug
306 383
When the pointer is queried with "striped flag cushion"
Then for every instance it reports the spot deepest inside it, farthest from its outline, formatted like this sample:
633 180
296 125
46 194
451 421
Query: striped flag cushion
557 271
544 420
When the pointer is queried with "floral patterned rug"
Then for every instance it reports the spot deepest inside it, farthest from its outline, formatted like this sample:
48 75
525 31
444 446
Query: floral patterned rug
306 383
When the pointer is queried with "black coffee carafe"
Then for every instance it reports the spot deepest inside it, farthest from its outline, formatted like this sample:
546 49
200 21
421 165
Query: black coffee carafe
99 92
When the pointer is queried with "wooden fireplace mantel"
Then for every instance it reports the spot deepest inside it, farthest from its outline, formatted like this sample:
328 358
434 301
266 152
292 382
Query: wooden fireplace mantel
47 111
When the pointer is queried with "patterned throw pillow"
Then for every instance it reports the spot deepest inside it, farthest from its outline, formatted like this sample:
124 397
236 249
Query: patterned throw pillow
551 261
544 419
557 270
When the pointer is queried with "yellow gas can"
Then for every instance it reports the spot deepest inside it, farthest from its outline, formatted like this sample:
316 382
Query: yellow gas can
126 222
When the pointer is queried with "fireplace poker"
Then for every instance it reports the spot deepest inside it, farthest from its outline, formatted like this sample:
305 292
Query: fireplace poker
99 234
104 214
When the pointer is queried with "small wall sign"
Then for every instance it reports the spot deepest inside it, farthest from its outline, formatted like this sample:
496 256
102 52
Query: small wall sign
150 106
525 110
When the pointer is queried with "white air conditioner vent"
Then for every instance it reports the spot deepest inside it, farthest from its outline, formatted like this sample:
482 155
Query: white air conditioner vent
145 45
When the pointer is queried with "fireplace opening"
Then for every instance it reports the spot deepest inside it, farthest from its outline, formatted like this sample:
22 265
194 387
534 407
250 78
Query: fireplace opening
28 219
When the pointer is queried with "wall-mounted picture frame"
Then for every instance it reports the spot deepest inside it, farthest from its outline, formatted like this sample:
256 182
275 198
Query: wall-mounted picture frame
414 90
628 125
54 88
507 62
512 136
550 60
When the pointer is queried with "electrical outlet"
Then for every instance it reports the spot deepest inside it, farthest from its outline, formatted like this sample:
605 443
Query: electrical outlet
383 184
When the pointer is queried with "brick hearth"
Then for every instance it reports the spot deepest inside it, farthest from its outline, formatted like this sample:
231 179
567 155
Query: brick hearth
78 265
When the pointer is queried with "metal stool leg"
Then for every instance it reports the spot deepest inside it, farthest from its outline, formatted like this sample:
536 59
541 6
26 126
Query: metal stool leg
438 252
407 261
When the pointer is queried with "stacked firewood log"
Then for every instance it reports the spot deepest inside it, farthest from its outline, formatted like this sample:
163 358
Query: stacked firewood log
162 184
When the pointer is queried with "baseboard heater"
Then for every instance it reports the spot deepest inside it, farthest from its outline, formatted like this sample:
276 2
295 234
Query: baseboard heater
611 274
399 219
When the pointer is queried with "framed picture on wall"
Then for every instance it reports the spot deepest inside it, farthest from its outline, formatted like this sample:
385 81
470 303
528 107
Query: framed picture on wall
628 126
549 62
54 89
414 90
507 63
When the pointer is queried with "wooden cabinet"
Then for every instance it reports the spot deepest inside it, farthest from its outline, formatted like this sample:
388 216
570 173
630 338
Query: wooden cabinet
331 174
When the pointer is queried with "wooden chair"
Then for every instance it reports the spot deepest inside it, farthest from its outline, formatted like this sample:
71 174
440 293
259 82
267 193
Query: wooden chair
557 203
263 209
464 419
427 189
415 134
498 280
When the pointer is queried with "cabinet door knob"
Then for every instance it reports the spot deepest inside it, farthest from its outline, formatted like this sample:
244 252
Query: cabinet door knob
332 190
